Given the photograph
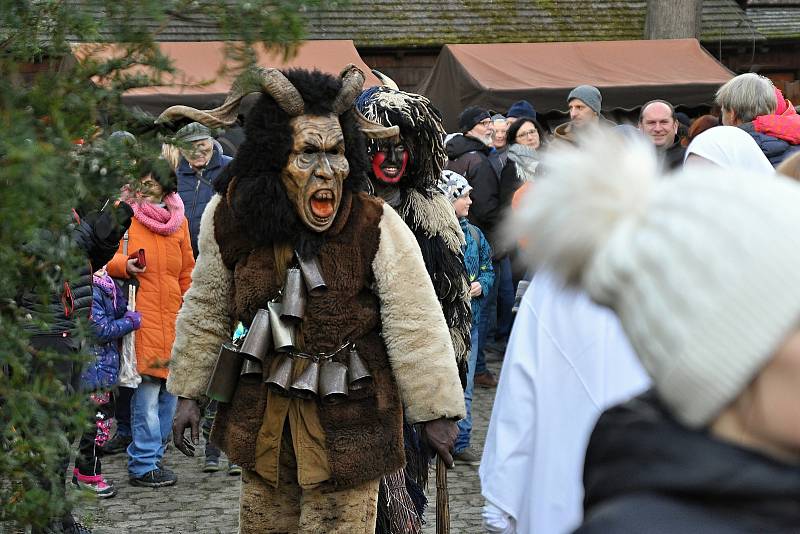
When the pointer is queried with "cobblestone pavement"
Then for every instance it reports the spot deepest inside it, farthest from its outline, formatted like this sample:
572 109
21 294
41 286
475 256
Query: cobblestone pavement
209 503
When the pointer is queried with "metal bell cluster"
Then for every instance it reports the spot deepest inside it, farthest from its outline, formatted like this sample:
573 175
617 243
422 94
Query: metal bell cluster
276 327
323 377
301 282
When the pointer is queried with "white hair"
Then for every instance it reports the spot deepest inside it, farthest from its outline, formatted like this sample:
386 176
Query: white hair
748 95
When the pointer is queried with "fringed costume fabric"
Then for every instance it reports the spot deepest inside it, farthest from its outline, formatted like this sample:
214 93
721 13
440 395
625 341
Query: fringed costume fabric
431 218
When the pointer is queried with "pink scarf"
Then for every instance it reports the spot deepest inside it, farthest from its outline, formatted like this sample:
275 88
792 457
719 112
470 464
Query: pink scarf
107 285
163 220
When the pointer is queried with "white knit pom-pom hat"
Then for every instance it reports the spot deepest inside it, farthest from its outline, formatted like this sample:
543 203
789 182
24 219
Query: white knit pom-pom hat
702 267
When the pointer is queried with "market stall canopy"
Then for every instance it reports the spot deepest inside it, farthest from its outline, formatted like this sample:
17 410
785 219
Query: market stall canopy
628 74
197 81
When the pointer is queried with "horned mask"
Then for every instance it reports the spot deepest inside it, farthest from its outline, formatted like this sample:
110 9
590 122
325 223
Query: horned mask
316 167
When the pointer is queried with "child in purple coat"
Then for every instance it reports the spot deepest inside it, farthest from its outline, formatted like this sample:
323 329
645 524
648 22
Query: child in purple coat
110 322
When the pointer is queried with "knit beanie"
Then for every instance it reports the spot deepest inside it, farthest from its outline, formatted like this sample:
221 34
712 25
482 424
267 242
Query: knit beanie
589 95
521 108
703 268
470 117
453 185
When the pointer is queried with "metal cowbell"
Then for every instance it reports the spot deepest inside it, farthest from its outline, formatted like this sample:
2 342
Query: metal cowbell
312 274
226 374
252 368
259 336
283 331
279 379
294 295
358 376
307 384
332 382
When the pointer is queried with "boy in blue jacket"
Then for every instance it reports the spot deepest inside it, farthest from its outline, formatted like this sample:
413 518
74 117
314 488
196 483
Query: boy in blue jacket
478 262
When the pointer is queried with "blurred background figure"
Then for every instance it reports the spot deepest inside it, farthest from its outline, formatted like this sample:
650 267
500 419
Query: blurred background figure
790 167
658 121
567 361
700 125
750 101
728 147
716 446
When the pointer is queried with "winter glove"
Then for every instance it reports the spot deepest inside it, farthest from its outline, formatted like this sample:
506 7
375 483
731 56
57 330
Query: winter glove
135 317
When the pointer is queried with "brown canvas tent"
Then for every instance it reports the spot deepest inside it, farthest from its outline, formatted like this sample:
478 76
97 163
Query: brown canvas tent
628 73
197 82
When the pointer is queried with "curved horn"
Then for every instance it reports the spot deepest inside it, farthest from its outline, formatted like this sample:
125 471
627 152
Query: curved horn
385 80
352 82
375 130
271 81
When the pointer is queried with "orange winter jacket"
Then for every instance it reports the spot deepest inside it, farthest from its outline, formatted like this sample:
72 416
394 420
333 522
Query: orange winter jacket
160 294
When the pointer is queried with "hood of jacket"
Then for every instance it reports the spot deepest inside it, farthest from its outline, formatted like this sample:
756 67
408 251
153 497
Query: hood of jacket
637 448
462 144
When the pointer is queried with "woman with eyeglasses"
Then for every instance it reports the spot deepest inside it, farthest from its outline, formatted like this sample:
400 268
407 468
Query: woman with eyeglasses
526 139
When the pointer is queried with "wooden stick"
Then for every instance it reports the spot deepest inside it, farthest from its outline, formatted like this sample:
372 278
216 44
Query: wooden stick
442 498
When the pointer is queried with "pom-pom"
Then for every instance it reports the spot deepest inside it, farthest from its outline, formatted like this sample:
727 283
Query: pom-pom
569 214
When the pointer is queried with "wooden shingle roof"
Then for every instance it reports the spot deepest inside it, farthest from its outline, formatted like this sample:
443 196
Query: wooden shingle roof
776 21
377 23
432 23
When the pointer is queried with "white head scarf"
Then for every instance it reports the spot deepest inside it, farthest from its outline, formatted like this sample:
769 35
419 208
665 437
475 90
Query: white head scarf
730 148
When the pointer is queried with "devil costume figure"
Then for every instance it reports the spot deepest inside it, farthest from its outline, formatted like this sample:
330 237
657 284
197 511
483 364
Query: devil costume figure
406 149
293 197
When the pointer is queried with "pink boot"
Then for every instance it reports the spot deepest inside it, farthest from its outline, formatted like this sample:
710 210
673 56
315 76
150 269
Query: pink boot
96 484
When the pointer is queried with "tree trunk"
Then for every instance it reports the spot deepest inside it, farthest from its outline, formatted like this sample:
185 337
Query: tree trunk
673 19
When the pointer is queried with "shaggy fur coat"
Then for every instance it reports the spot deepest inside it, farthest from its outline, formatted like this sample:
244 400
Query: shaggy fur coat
388 307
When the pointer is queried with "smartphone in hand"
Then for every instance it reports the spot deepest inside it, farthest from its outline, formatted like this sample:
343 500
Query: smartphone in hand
141 260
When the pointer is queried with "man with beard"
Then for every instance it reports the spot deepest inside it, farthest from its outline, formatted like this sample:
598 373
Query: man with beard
405 146
292 202
468 155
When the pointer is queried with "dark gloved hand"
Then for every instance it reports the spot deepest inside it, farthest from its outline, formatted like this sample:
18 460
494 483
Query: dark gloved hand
135 317
187 414
441 435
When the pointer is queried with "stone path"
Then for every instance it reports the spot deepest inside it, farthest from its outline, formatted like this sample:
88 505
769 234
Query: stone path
209 503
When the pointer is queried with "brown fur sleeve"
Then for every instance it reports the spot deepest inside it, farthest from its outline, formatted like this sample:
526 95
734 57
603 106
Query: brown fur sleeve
417 339
203 323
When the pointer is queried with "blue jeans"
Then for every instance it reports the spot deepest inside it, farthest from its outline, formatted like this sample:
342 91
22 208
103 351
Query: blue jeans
152 409
465 425
496 314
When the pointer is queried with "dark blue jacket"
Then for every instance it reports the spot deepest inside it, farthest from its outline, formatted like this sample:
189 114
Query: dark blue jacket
108 326
775 149
197 189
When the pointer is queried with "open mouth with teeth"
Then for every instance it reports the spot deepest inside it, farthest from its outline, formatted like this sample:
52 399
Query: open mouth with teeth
323 204
391 174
